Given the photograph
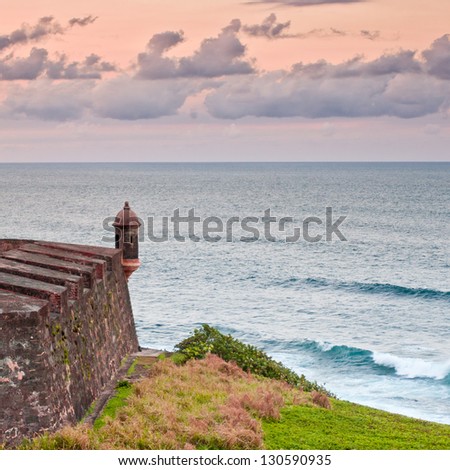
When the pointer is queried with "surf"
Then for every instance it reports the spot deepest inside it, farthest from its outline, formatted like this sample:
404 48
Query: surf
374 288
379 363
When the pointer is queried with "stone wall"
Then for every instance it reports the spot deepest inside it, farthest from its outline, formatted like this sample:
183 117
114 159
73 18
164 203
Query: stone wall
66 324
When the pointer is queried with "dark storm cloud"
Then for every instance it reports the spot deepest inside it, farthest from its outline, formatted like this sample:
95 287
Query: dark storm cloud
216 57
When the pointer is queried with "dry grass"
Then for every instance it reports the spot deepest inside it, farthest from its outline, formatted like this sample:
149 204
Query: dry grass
212 404
320 399
205 404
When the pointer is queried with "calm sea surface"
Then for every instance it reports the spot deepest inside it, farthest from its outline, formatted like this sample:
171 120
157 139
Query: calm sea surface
368 317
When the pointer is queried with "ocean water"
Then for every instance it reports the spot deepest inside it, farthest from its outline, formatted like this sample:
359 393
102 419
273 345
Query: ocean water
368 317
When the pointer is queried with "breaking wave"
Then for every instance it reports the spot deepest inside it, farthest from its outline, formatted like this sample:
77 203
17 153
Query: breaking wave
375 288
378 362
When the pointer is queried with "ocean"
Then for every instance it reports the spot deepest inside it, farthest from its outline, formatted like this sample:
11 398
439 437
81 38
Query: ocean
362 306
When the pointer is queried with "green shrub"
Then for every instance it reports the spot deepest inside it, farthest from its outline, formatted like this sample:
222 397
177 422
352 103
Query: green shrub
251 359
178 358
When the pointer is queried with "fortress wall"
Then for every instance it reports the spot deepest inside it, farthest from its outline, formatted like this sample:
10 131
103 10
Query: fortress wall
66 324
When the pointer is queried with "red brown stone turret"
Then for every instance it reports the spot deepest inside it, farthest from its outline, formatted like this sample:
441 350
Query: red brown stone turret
127 225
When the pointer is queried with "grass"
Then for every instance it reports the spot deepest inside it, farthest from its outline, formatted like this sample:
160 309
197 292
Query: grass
204 404
351 426
132 368
119 400
215 392
213 404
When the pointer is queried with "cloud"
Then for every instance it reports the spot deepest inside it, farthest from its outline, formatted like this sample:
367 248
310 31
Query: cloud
388 64
335 32
121 98
162 42
392 85
371 35
37 64
91 68
151 64
269 28
437 58
45 100
216 57
87 20
404 84
280 96
28 68
400 63
125 98
45 26
304 3
321 33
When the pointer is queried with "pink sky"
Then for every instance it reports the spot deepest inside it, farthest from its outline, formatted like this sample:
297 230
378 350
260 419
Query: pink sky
373 84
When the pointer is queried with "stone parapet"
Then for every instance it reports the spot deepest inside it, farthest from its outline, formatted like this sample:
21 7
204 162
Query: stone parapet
66 324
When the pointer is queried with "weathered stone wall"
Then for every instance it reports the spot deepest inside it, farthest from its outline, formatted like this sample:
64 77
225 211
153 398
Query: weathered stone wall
65 326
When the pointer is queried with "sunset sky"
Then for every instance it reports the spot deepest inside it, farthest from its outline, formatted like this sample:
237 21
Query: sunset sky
224 80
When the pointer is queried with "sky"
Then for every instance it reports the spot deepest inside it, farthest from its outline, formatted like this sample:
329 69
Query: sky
224 80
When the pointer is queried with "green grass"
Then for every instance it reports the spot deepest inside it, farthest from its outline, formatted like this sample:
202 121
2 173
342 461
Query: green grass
132 368
351 426
124 390
89 411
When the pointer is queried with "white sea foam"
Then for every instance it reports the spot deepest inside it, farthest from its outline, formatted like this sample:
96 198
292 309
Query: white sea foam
411 367
325 345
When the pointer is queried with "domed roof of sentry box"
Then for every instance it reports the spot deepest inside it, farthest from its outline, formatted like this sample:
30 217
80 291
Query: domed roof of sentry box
126 217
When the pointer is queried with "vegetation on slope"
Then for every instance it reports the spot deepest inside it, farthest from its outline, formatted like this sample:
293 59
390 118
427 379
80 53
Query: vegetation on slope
351 426
242 400
249 358
205 404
